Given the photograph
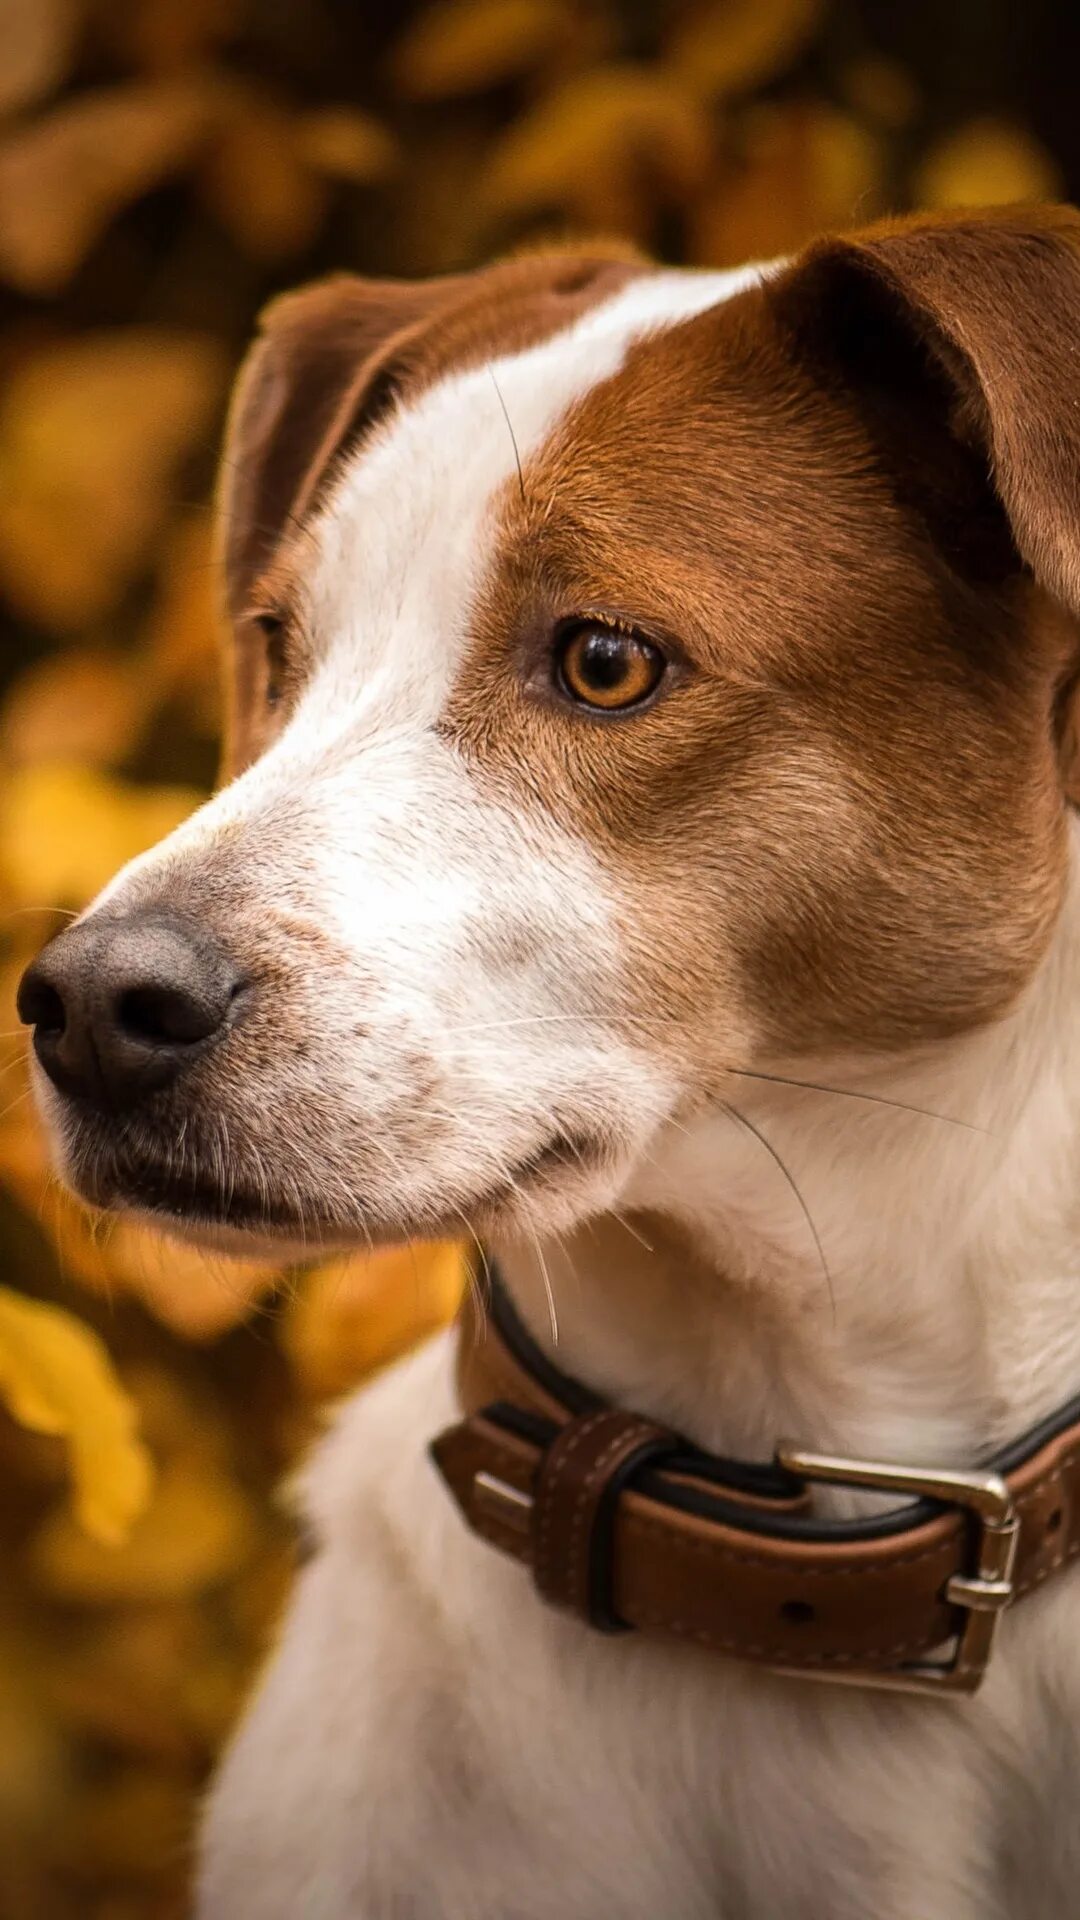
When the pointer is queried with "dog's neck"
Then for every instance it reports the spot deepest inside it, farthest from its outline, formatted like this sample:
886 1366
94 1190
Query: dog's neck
941 1313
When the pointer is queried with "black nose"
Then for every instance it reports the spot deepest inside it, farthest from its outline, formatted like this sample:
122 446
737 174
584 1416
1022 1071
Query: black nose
120 1006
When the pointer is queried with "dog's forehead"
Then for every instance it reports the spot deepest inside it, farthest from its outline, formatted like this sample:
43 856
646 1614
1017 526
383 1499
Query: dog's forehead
397 555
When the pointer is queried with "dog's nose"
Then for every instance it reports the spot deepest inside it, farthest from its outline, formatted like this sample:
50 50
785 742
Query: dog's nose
120 1006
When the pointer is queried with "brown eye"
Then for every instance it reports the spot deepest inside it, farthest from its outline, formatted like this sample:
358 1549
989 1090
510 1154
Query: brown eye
608 667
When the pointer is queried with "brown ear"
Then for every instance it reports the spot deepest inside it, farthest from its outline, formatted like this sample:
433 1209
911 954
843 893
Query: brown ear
989 303
958 338
304 386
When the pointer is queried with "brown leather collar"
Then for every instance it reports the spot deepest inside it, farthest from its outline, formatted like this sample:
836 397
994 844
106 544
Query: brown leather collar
631 1526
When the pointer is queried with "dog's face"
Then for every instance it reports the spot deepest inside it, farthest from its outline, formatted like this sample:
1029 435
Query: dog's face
638 677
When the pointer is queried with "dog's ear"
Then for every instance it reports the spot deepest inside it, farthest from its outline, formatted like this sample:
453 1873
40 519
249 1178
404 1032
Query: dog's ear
959 338
307 385
967 326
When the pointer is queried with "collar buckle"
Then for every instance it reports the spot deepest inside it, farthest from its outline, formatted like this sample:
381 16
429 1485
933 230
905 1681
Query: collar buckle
981 1595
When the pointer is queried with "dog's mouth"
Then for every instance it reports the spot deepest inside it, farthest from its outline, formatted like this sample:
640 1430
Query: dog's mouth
194 1202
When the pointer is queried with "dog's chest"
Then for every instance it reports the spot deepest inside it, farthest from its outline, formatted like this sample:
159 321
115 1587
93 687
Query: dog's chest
430 1740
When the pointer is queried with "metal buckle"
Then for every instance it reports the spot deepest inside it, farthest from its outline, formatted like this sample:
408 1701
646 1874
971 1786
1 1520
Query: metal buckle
980 1595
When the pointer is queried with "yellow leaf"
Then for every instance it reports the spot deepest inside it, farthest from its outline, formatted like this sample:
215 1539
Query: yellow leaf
198 1296
66 829
197 1531
985 163
64 177
36 36
353 1315
465 46
90 433
345 143
594 144
56 1378
730 46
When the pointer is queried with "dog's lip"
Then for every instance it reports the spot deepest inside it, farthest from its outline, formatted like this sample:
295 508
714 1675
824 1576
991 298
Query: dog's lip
149 1188
146 1185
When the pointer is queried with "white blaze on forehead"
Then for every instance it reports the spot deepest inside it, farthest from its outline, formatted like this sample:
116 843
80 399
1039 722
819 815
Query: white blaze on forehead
397 551
401 544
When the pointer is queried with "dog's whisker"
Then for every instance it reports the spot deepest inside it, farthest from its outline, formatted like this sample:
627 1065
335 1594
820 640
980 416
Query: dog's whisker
853 1093
510 431
623 1222
638 1022
64 913
553 1317
742 1121
17 1102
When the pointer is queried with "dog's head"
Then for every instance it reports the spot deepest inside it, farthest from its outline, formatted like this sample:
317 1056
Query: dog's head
639 675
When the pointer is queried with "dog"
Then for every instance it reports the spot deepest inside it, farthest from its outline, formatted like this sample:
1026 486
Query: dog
650 848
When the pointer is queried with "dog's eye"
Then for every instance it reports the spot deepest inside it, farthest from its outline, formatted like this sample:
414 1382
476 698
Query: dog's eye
607 666
272 628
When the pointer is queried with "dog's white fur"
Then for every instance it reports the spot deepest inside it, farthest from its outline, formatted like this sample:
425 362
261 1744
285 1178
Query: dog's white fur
430 1739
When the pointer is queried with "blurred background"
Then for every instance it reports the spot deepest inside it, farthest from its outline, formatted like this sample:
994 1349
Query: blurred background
165 166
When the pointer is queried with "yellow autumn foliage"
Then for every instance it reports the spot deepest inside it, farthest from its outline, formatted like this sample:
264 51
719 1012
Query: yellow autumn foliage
56 1379
65 829
466 46
166 166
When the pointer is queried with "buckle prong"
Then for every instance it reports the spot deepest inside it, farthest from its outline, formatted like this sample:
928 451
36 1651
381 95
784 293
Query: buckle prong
981 1595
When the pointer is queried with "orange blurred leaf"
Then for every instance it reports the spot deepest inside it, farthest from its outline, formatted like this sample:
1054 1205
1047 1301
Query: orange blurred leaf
90 432
345 143
37 37
65 829
352 1315
56 1378
603 146
805 167
731 45
465 46
985 163
197 1531
63 177
198 1296
257 184
882 90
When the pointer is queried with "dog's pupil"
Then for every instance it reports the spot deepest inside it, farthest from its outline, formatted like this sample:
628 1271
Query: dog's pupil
604 660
